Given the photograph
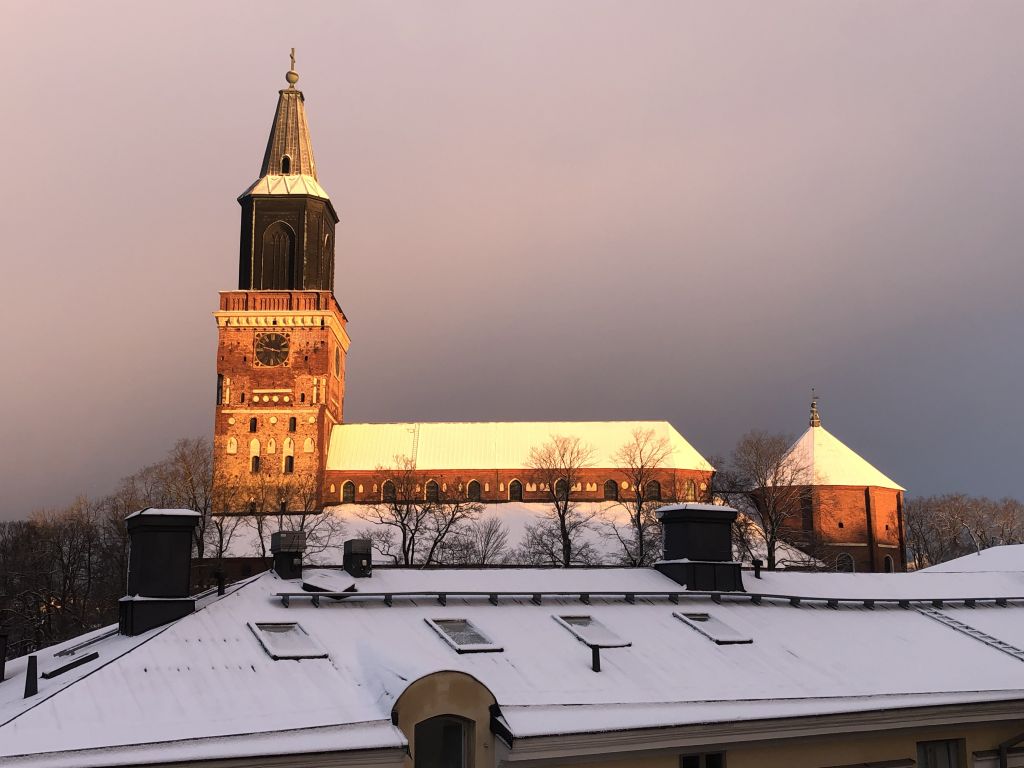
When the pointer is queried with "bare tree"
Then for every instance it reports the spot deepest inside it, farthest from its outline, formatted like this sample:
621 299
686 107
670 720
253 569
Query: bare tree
640 462
770 487
557 468
417 515
483 541
940 528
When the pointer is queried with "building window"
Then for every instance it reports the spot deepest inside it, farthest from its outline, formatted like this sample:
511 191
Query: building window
252 424
220 388
292 423
691 490
561 488
845 564
286 165
241 398
473 491
232 445
888 564
652 491
515 491
706 760
302 397
433 492
807 510
611 490
254 464
387 491
348 493
941 754
443 742
289 464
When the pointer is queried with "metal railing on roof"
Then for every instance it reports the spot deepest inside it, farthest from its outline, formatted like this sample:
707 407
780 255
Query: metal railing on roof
537 598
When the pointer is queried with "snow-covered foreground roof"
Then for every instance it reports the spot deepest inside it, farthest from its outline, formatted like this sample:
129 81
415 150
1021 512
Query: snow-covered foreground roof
1009 557
204 686
823 459
491 445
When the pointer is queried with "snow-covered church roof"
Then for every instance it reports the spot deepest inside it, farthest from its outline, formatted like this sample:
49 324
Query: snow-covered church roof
821 458
492 444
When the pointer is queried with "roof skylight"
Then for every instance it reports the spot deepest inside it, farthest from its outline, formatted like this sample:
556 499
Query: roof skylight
713 628
287 640
592 632
463 635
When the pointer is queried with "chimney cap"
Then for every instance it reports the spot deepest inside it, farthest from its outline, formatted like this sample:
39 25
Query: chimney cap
692 506
157 512
288 541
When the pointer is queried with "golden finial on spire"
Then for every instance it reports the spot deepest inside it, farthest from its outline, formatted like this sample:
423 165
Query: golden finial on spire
815 418
292 77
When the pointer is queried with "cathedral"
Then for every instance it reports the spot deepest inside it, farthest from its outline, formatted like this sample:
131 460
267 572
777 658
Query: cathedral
281 443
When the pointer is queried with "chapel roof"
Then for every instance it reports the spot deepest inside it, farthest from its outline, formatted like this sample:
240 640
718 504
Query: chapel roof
491 444
821 458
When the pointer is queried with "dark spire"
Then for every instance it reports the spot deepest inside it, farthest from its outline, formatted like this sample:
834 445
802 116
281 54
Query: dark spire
815 418
289 149
287 237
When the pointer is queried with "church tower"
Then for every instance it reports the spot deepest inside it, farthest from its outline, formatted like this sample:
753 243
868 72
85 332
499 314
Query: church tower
281 336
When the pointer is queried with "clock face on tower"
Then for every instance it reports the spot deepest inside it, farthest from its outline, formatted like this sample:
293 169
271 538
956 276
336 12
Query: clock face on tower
271 348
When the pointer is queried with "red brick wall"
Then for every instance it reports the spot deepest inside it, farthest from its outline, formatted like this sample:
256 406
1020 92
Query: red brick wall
494 484
841 515
308 388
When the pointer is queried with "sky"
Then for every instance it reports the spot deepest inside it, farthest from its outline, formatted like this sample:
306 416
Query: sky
577 209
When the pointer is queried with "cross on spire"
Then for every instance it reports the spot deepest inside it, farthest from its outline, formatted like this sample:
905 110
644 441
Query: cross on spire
292 77
815 418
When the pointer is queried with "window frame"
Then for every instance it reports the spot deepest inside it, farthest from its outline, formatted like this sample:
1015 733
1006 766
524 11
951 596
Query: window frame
487 647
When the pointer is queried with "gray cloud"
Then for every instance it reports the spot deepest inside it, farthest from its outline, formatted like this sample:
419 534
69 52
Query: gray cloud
548 210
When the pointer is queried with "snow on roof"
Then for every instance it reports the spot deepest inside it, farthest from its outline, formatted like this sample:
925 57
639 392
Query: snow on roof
1008 557
155 512
825 460
490 445
203 685
293 184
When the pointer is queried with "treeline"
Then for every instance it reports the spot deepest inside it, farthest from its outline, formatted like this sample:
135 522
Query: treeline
941 528
62 571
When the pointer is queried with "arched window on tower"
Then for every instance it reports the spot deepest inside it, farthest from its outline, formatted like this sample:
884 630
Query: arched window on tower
845 564
276 268
433 492
286 165
254 455
611 490
288 452
252 424
348 493
515 491
308 446
473 491
387 491
292 423
652 491
888 564
232 445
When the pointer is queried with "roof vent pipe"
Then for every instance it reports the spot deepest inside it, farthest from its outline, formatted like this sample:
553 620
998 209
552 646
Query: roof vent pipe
757 563
287 548
31 680
697 547
358 558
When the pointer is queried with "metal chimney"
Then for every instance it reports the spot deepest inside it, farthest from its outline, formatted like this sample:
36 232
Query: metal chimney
287 548
358 558
159 568
697 543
